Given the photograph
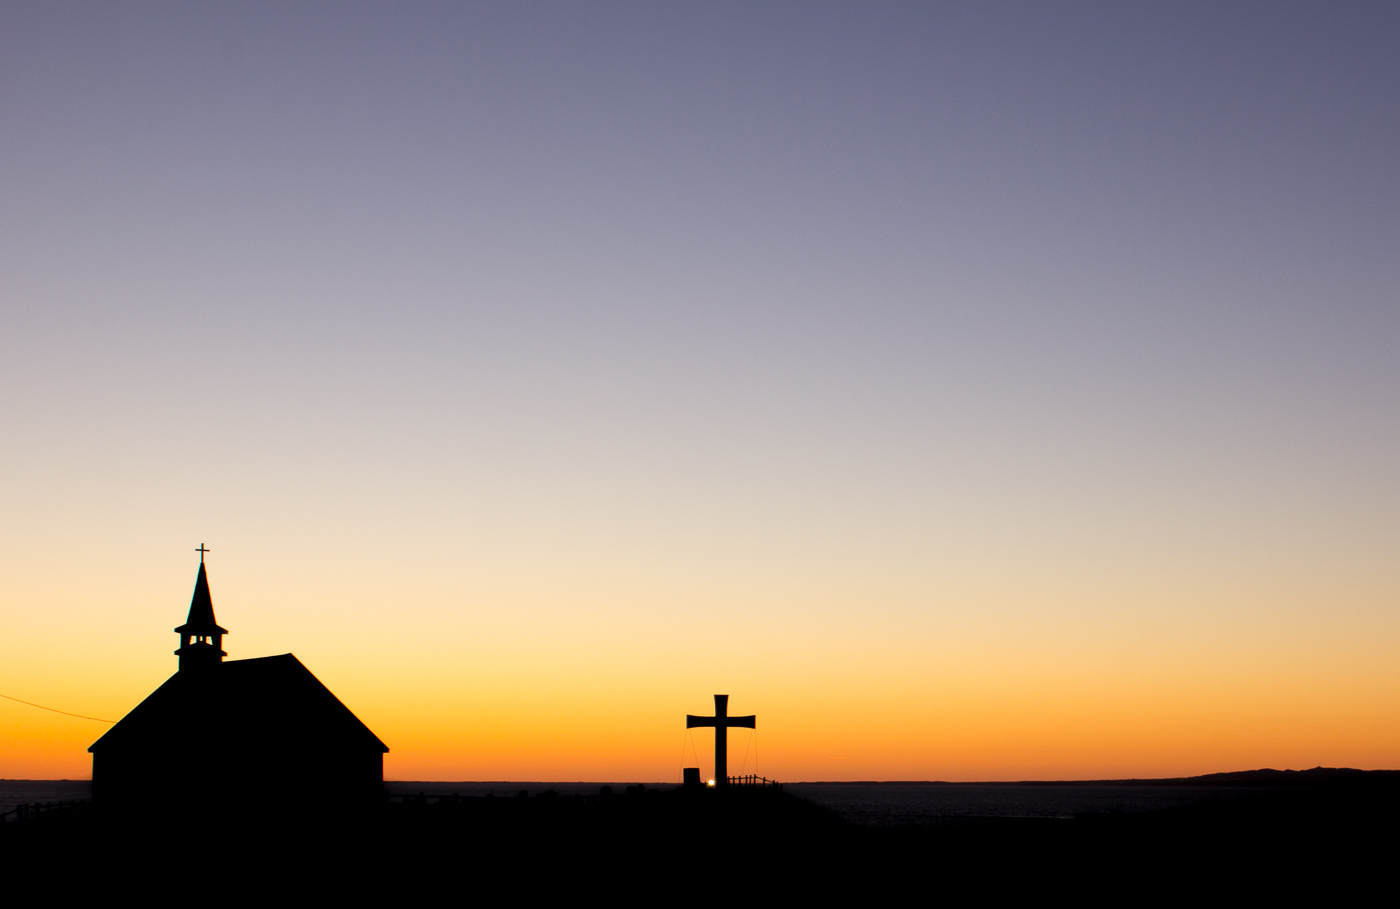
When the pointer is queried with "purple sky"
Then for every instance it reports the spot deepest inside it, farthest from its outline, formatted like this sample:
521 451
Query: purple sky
956 309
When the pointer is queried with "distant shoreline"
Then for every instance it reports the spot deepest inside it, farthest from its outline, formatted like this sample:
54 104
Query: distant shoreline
1261 777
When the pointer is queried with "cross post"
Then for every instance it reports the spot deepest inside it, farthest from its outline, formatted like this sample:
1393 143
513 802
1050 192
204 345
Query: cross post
721 721
201 550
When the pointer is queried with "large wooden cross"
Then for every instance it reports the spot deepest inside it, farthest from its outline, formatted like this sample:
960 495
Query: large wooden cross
721 721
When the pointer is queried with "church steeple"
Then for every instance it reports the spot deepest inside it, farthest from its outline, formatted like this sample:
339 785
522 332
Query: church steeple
200 637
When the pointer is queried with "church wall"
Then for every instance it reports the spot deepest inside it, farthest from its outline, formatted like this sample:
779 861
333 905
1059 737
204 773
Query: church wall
221 780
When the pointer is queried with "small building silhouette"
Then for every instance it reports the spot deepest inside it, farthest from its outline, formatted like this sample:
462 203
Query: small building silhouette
221 735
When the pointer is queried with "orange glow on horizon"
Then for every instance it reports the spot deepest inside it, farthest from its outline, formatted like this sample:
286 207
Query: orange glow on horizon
568 705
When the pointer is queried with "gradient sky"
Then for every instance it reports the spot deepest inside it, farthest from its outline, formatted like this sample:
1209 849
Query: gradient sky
976 391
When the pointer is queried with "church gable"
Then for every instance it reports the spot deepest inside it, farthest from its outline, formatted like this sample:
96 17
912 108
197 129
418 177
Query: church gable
267 704
279 698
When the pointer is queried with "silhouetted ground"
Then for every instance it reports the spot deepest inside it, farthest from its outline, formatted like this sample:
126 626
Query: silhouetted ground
1330 837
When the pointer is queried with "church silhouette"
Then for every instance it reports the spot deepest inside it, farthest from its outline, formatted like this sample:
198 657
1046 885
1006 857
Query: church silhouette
230 735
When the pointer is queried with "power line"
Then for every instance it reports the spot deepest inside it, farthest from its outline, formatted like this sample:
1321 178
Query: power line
52 710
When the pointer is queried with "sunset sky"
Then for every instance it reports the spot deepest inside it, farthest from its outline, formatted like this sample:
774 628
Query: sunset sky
971 391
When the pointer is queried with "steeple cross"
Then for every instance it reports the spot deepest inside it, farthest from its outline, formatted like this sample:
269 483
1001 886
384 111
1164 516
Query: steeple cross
721 721
201 550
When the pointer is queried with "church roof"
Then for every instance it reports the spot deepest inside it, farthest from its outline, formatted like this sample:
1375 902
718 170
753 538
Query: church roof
272 703
201 617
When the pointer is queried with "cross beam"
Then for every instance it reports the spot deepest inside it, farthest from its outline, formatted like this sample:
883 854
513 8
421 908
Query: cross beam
721 721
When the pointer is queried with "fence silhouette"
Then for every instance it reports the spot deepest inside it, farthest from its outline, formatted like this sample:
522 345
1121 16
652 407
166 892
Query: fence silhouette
36 810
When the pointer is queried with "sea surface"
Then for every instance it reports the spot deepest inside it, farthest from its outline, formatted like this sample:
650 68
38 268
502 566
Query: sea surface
27 792
920 804
865 803
903 804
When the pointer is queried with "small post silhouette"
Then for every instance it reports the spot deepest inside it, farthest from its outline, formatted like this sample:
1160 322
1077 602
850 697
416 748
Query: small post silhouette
721 721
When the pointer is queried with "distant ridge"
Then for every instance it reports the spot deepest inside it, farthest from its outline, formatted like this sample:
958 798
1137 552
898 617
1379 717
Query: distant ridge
1315 777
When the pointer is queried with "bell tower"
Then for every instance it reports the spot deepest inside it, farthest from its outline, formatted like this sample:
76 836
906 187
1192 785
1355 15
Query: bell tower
201 639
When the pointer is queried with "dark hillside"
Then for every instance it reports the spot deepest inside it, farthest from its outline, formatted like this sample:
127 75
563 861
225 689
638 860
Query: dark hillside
1280 839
